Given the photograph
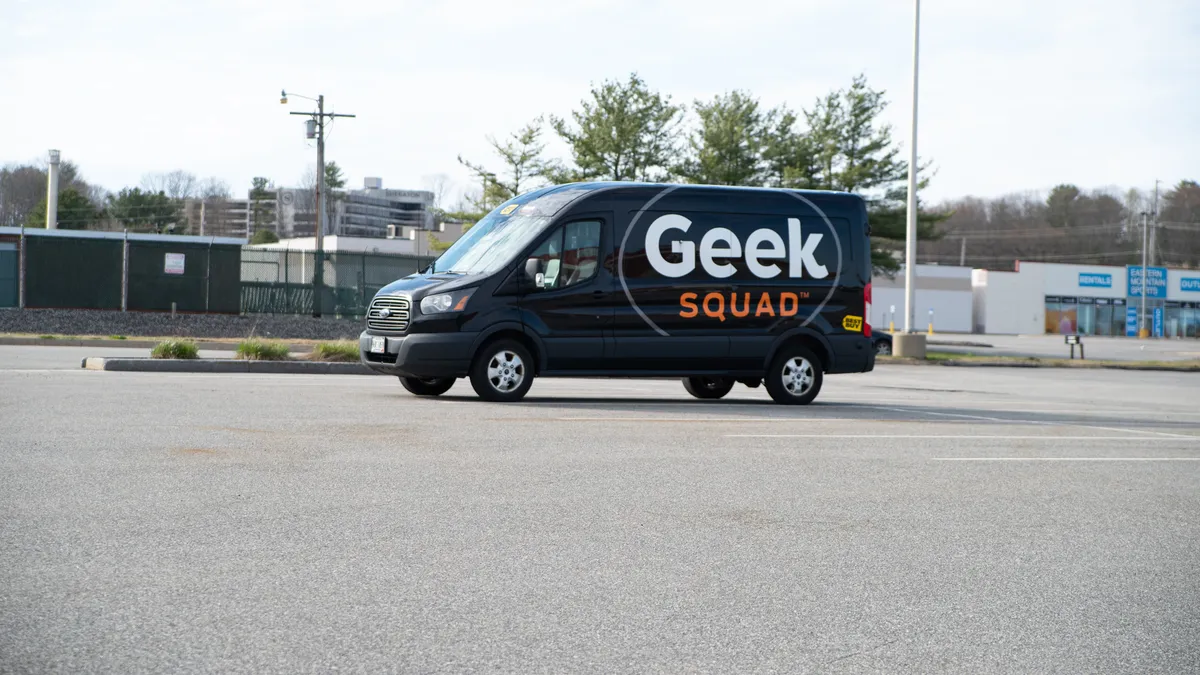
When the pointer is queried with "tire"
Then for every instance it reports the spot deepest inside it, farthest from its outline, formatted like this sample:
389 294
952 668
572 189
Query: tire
794 376
427 386
883 348
707 387
502 371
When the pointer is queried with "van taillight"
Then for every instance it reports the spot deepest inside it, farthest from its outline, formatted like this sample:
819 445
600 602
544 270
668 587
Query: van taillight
867 310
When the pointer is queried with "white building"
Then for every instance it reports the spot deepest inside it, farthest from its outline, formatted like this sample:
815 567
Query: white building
1088 299
943 296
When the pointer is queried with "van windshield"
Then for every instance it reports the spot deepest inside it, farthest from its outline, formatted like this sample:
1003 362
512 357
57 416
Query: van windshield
490 243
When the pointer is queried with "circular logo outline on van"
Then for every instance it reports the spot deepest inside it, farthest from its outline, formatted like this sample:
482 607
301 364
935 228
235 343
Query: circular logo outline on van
637 216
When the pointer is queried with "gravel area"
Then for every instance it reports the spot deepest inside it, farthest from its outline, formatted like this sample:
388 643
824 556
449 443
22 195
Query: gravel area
154 324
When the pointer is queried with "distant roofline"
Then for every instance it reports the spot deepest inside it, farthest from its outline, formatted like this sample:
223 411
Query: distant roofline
133 236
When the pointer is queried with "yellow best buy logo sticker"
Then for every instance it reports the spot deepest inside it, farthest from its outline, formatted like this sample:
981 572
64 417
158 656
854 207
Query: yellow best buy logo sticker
853 323
508 209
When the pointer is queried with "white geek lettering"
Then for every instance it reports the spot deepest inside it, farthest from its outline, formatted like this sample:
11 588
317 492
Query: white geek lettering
686 248
710 250
802 252
719 242
755 252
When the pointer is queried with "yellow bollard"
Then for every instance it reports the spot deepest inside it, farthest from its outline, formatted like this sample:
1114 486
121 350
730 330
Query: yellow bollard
892 327
931 328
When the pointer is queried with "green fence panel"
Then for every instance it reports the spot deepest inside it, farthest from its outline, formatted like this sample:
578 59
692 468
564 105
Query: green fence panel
280 282
9 267
70 273
195 277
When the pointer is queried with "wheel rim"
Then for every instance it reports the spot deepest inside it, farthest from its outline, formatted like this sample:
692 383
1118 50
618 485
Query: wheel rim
798 376
710 383
883 348
506 371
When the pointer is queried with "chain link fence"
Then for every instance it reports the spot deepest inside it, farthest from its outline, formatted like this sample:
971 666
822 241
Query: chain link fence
281 282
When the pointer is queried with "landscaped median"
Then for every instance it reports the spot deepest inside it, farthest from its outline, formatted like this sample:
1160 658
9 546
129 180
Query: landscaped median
251 356
978 361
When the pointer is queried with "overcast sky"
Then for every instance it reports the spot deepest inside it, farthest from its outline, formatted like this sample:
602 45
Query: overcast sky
1015 95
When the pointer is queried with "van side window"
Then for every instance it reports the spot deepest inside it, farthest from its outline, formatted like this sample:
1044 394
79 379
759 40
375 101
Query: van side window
581 252
570 255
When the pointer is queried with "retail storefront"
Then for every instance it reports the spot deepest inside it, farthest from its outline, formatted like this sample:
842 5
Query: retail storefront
1089 300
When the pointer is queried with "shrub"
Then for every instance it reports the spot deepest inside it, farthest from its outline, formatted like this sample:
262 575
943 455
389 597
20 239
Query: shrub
341 350
262 350
175 349
116 337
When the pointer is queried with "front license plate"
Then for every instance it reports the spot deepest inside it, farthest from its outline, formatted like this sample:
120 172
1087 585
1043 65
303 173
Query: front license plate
378 345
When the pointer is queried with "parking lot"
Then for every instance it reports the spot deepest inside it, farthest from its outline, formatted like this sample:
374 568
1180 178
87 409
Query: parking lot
914 519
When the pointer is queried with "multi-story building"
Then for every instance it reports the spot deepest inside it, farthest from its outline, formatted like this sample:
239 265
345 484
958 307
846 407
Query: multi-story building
291 213
221 217
356 213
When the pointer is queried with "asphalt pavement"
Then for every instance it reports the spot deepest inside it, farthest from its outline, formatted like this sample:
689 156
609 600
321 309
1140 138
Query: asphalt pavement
914 519
1054 347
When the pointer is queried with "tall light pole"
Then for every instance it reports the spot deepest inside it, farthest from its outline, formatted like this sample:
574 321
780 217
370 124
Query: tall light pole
910 246
317 128
912 343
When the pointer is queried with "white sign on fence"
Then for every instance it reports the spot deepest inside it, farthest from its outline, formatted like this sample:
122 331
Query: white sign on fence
173 263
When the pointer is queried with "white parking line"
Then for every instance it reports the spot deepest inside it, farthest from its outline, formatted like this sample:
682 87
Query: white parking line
1035 422
972 436
1065 459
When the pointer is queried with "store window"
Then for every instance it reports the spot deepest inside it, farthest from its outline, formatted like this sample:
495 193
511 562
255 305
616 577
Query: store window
1118 317
1087 317
1104 312
1190 316
1053 309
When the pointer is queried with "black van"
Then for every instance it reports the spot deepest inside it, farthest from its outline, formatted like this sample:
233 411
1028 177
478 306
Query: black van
716 285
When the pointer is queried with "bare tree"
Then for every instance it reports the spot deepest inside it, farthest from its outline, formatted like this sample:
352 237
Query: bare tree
178 184
439 185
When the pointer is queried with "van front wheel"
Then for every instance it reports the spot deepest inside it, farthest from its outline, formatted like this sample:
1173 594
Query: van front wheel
502 371
795 376
427 386
707 387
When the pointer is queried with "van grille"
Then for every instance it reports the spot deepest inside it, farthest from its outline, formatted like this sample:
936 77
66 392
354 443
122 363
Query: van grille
389 312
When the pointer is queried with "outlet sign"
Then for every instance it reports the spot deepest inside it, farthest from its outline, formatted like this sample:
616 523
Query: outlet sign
1093 280
1190 284
1156 282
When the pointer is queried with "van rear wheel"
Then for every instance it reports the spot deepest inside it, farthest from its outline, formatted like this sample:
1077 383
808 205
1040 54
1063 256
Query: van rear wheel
795 376
427 386
708 387
502 371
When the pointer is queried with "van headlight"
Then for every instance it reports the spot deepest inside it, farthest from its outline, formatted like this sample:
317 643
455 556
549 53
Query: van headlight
442 303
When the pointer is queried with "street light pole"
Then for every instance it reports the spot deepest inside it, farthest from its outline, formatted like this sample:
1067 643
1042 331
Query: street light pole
319 231
910 246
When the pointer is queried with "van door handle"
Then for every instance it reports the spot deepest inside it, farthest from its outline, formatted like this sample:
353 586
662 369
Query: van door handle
599 294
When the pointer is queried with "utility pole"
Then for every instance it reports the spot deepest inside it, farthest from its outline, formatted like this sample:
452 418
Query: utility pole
1145 277
962 253
52 192
1154 234
201 216
318 122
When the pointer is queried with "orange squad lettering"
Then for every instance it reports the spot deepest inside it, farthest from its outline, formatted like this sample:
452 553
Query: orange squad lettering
714 305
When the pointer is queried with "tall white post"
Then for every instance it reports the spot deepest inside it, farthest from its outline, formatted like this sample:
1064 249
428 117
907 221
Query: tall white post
52 192
910 247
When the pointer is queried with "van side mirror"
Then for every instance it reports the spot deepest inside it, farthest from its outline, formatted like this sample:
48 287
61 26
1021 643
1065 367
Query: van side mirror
533 270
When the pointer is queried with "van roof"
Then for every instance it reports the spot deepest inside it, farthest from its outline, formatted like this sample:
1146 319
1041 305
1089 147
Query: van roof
598 185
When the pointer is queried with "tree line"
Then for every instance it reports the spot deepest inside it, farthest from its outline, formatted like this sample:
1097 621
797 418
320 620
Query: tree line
1070 225
627 131
156 205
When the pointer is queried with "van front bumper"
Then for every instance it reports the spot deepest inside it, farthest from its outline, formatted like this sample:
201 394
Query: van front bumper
420 355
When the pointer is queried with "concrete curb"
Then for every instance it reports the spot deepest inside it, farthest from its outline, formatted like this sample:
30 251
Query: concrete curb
134 343
226 366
